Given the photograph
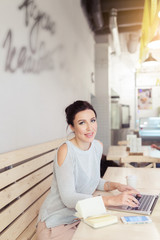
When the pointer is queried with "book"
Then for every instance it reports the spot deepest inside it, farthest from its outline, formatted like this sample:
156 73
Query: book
93 212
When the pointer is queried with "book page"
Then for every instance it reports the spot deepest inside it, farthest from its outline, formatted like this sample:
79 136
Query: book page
90 207
101 221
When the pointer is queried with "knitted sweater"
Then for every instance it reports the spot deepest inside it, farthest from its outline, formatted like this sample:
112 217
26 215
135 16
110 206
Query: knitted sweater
76 179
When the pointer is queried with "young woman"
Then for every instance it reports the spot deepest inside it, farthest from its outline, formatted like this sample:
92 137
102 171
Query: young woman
77 176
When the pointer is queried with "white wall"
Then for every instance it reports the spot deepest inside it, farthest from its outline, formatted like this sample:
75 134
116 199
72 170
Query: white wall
32 104
101 99
122 76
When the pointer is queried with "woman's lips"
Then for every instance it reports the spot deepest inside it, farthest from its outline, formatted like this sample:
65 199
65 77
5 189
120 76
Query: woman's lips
89 135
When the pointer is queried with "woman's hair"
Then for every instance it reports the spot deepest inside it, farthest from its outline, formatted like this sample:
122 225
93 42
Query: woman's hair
76 107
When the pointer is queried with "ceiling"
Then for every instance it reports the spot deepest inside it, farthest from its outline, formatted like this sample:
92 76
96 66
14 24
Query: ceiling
129 14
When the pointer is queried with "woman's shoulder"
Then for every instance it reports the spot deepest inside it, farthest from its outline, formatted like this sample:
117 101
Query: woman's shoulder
62 153
98 143
98 146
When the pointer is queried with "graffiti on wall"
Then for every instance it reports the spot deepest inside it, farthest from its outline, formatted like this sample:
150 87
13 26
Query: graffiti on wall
35 56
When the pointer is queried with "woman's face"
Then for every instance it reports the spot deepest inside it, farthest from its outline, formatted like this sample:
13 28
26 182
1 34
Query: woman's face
85 126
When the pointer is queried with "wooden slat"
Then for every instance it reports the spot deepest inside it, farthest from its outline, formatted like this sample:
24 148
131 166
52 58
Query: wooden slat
29 232
34 237
149 165
12 192
20 214
23 221
22 170
128 165
143 159
18 207
10 158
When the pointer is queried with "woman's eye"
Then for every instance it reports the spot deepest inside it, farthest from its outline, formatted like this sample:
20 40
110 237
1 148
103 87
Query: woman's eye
93 120
81 123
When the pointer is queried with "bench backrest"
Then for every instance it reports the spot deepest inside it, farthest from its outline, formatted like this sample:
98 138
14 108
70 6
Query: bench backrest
25 179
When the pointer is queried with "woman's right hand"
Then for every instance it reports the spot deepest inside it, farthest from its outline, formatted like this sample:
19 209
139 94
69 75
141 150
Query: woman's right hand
154 146
124 198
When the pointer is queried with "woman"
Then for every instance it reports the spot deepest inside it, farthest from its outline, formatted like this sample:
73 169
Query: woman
77 176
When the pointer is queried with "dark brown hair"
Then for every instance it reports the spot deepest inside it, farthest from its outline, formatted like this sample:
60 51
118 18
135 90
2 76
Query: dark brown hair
76 107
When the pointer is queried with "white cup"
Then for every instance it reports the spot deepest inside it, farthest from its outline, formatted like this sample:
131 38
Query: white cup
131 180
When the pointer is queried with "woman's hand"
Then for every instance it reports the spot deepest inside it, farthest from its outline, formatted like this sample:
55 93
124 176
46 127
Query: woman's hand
155 146
109 186
125 198
123 187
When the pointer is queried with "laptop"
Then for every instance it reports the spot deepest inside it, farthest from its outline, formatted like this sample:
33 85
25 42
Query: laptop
147 204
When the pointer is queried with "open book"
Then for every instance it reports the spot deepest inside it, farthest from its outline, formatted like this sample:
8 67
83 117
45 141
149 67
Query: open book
93 212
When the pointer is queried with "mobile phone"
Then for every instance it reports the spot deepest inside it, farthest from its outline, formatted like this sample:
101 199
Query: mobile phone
136 219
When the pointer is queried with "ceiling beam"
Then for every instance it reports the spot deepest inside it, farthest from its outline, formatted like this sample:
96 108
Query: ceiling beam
122 5
128 29
125 18
129 14
129 17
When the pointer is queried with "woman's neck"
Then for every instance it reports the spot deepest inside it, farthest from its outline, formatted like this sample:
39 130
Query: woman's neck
81 145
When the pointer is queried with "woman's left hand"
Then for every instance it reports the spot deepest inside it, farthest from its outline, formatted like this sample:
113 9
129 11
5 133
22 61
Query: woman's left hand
123 187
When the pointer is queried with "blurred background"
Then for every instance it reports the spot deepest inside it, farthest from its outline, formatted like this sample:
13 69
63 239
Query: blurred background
54 52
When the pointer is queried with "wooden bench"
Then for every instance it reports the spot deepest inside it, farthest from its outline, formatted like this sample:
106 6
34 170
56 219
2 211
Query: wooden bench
25 179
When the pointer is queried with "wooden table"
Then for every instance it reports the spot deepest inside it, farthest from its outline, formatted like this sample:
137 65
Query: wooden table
119 153
122 143
148 182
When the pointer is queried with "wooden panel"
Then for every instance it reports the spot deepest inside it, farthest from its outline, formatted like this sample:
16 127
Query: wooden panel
18 207
15 190
34 237
29 232
139 159
20 171
10 158
17 227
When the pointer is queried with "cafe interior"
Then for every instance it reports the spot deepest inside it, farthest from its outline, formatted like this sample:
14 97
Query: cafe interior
118 42
54 52
131 29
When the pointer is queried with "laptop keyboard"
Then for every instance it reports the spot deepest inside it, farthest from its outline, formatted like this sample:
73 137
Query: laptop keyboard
144 201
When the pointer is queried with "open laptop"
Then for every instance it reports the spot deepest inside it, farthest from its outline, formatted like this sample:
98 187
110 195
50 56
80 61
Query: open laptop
147 204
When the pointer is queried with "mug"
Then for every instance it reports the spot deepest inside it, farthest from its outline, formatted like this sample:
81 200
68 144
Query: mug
131 180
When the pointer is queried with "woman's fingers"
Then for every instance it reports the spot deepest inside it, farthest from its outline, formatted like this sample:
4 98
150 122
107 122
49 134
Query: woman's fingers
129 199
133 199
133 192
131 203
125 198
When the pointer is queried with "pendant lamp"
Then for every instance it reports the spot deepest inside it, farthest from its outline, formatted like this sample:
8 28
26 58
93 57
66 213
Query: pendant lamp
150 58
150 61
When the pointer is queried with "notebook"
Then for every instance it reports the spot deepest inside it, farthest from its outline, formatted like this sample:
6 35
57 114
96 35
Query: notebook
147 204
93 212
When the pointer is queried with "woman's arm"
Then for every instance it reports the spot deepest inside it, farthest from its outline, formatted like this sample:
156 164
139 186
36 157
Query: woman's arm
155 146
65 179
109 186
124 198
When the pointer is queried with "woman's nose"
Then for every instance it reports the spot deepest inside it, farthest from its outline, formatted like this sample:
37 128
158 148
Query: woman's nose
88 126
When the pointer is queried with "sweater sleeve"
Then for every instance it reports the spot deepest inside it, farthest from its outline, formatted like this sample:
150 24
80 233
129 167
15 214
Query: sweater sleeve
101 184
66 183
99 150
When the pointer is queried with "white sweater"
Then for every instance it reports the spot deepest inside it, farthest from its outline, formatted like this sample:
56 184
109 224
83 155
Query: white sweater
76 179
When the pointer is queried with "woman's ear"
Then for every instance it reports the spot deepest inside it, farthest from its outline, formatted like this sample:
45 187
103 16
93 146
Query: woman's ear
71 127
